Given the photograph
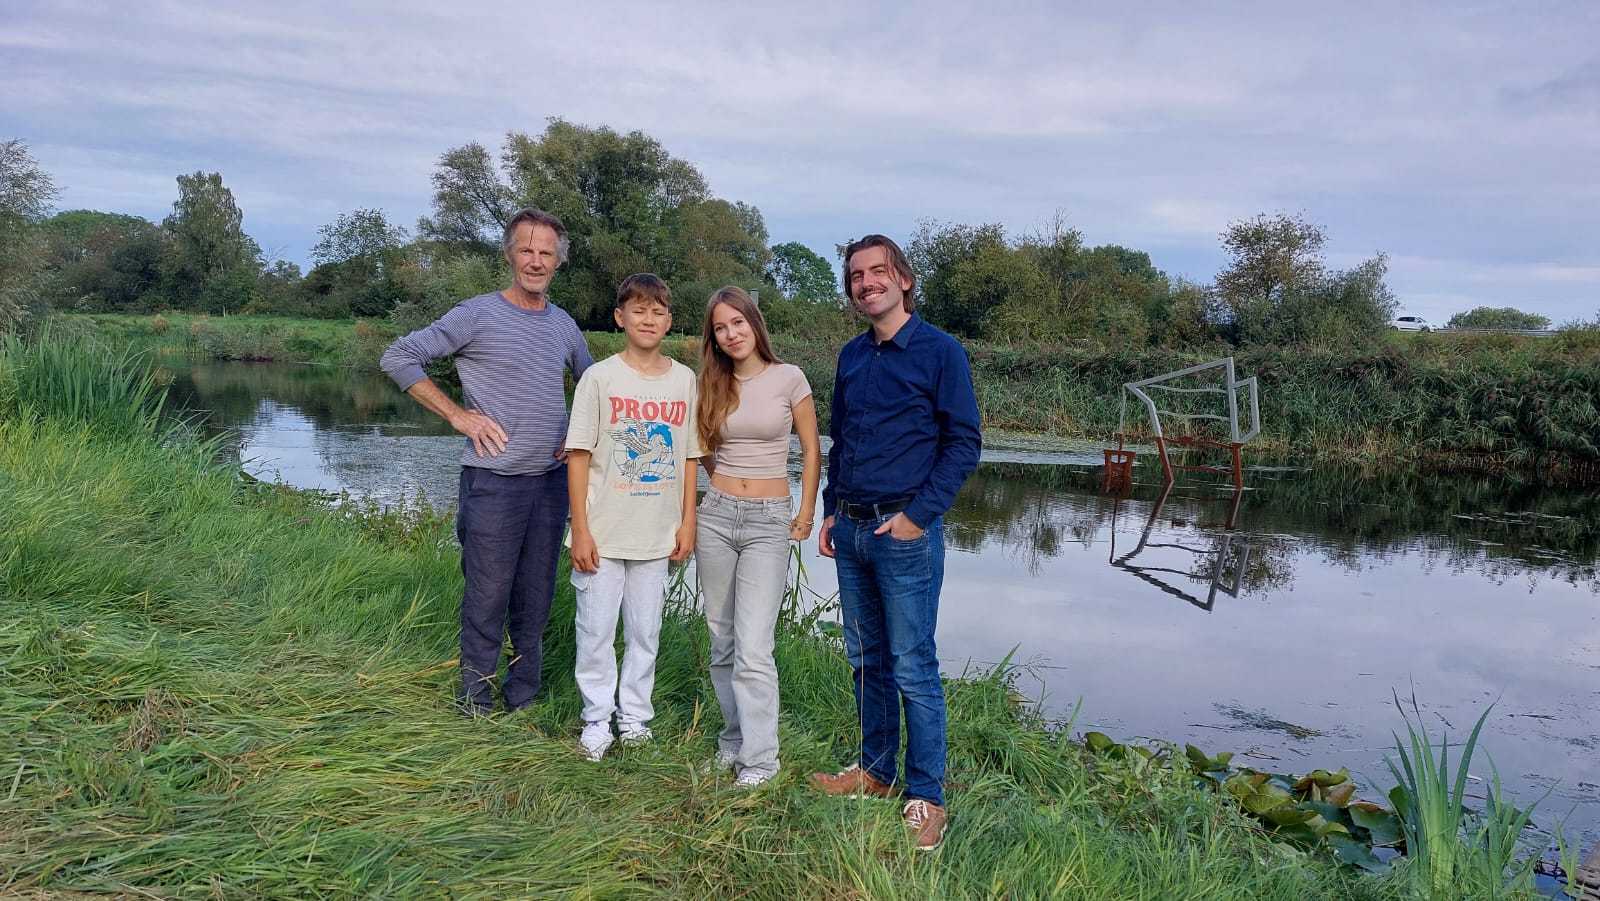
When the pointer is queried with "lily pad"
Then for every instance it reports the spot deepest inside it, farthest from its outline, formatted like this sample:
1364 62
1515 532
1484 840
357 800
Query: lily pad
1340 795
1354 853
1205 763
1321 779
1383 826
1288 816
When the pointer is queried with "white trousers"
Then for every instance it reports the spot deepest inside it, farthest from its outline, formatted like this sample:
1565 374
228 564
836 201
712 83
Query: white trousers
635 589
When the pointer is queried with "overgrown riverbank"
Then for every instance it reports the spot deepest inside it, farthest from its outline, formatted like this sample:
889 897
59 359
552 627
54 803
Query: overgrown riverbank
211 686
1485 402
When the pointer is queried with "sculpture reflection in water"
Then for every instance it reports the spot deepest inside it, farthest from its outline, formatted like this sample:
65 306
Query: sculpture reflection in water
1224 560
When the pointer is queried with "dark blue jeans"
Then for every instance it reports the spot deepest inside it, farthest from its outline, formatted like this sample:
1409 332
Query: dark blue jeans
889 593
510 530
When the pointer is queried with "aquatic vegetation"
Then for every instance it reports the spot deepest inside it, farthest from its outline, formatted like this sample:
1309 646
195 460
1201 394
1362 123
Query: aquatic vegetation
1450 851
1445 852
1317 811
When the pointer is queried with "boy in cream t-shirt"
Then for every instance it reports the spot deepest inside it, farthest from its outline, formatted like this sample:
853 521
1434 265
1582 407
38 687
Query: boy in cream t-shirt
631 482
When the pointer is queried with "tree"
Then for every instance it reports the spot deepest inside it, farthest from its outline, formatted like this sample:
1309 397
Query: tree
357 234
1500 318
628 205
937 250
721 242
1271 255
211 264
470 203
1183 317
279 290
26 194
26 190
1276 289
800 274
1002 294
357 261
103 261
1107 294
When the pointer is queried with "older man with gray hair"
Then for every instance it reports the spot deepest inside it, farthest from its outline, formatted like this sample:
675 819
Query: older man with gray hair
512 348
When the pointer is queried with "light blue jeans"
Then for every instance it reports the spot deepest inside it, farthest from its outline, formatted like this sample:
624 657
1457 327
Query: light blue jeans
742 557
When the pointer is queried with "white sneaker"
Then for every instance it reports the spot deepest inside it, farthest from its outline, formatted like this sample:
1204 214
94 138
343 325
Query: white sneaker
726 759
595 740
752 778
636 734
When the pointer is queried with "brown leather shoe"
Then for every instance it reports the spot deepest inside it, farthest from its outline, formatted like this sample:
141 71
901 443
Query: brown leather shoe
925 821
853 782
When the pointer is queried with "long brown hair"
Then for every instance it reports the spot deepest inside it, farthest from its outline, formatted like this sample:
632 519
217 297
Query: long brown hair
719 390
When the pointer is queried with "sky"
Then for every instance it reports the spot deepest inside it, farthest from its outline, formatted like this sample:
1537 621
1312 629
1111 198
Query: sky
1460 139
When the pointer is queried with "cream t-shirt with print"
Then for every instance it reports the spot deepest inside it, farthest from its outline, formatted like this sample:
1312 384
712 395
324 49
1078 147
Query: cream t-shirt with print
639 431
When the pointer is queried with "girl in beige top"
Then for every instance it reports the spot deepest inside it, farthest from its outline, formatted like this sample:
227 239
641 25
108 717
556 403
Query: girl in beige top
748 404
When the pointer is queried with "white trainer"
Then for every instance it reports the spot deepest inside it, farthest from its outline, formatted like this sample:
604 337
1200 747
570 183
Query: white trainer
751 778
595 740
636 734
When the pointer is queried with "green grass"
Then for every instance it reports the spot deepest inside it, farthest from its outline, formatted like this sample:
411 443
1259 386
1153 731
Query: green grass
282 339
212 687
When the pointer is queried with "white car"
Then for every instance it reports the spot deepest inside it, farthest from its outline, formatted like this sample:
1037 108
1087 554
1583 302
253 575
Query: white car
1410 324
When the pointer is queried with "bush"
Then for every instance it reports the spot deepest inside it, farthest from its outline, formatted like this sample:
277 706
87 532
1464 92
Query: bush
1499 317
433 290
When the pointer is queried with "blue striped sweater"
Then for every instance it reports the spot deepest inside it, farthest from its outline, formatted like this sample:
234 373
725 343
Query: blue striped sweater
511 362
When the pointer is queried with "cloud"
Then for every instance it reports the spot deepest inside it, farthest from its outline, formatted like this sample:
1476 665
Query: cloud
1465 135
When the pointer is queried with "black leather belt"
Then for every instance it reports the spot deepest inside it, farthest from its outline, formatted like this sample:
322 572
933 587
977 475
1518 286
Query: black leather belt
873 511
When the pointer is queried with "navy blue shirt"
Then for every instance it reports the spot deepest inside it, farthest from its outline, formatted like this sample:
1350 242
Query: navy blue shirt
904 422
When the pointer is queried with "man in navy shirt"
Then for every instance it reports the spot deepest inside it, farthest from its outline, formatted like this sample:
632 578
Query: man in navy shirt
905 432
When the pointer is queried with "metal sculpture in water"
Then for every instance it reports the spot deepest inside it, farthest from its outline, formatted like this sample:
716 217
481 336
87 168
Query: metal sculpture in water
1237 435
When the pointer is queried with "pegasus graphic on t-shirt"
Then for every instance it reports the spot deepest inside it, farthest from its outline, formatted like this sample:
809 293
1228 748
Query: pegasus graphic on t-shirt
642 451
642 440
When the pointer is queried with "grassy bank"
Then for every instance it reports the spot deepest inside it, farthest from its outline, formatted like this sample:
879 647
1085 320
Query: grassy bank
1479 402
209 687
278 339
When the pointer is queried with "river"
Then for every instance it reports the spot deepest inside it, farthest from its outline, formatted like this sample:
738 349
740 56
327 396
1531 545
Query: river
1278 623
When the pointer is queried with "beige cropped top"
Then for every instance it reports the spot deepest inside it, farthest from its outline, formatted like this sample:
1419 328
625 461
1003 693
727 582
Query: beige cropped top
755 437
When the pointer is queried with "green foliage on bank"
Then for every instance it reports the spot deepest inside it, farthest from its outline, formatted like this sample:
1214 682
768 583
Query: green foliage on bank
1483 402
210 686
1475 402
1499 318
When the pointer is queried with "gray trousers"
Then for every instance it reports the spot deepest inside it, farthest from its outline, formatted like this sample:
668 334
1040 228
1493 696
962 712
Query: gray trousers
742 558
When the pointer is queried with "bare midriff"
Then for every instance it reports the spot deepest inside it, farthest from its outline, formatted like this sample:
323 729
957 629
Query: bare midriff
750 487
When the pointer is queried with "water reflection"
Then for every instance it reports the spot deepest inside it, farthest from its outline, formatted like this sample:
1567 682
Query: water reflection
1034 513
1225 555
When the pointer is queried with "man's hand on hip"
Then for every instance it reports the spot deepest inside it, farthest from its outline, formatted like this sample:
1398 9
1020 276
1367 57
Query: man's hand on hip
488 439
900 528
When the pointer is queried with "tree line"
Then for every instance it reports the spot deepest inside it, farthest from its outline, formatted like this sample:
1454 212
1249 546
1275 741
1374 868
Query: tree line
628 204
631 206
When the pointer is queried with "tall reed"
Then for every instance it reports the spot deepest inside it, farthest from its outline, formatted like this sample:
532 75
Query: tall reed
1448 859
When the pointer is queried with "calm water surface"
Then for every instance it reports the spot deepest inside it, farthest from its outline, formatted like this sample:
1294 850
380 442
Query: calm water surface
1276 624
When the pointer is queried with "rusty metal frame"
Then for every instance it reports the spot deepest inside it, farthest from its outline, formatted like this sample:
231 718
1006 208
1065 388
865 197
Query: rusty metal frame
1230 389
